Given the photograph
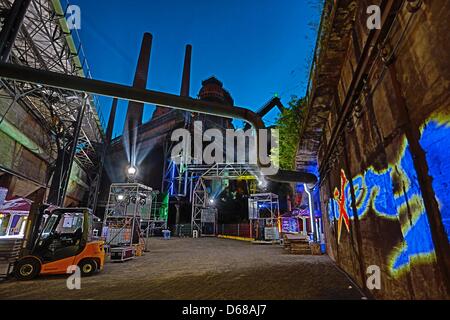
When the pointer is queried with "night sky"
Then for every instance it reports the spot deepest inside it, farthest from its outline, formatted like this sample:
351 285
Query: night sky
257 48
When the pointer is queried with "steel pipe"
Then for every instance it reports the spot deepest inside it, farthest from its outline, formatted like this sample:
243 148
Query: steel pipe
114 90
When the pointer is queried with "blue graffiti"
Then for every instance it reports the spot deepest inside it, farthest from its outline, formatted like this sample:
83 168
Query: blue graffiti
333 211
418 243
435 140
375 190
415 228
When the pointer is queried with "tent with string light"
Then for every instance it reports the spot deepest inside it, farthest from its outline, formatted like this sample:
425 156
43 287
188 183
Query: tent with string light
13 217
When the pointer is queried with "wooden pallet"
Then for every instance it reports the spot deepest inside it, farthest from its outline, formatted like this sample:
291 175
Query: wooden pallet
296 244
300 248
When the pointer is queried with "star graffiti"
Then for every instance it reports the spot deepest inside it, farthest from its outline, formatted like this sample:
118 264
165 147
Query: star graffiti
339 196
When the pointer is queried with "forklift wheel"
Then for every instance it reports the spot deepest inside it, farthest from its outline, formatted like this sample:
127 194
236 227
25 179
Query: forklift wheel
27 269
88 267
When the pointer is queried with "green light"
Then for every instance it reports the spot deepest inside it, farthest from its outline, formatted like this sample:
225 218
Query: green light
18 136
164 210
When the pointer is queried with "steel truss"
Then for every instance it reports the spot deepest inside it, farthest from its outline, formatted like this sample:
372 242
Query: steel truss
45 42
200 196
178 174
158 220
131 206
175 172
267 203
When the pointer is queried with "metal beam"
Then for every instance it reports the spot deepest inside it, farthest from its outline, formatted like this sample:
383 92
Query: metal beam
66 155
96 179
265 109
11 28
63 81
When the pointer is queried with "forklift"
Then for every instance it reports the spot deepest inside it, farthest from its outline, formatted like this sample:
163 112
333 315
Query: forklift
59 238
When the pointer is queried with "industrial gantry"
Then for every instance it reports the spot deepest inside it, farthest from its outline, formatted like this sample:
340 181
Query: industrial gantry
35 34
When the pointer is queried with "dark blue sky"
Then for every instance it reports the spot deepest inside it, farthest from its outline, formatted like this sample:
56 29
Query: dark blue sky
255 47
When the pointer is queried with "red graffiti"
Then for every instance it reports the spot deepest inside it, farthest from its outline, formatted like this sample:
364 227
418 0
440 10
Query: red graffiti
340 199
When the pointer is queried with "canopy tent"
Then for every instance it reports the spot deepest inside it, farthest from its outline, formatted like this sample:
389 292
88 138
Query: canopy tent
13 217
17 205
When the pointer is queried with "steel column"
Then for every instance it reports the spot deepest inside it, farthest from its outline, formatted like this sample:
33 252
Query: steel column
11 28
64 162
96 181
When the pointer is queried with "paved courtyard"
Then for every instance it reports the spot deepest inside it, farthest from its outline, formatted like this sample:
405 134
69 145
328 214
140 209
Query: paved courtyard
206 268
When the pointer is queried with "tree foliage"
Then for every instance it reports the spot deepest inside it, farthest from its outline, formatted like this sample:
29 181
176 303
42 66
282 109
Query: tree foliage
289 124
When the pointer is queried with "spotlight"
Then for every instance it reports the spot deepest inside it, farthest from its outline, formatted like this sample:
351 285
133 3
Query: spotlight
132 171
120 197
211 201
262 183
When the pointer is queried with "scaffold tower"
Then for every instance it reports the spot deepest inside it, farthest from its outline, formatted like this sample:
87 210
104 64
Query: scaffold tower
129 207
202 175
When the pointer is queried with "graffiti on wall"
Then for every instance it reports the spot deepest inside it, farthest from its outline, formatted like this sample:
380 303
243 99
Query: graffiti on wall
394 193
342 205
435 140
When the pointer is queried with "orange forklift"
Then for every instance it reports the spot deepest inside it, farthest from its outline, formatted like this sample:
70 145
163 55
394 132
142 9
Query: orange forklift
61 238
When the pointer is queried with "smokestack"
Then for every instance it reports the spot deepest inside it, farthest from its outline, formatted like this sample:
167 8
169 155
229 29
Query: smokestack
112 116
186 80
136 110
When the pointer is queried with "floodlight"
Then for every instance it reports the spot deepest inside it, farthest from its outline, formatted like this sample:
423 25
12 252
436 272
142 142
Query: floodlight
132 171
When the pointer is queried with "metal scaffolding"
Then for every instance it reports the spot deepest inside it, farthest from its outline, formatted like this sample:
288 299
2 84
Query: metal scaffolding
129 205
178 173
264 213
44 41
202 175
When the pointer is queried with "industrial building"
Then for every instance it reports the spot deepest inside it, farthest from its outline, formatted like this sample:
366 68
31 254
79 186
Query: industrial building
369 189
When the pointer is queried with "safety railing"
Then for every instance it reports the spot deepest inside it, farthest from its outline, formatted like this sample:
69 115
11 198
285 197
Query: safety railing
235 230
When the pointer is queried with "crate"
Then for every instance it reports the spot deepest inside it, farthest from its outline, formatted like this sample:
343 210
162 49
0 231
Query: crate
117 236
316 249
296 244
121 254
300 248
138 249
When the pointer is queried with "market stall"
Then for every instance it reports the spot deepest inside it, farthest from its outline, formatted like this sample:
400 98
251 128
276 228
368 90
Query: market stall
13 217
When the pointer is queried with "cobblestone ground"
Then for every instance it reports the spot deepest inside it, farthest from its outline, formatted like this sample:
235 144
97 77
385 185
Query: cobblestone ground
206 268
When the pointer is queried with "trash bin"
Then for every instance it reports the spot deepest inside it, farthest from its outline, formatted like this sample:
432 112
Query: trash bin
166 234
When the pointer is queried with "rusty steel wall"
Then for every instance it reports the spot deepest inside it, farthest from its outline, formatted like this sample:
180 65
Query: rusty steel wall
27 152
384 172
